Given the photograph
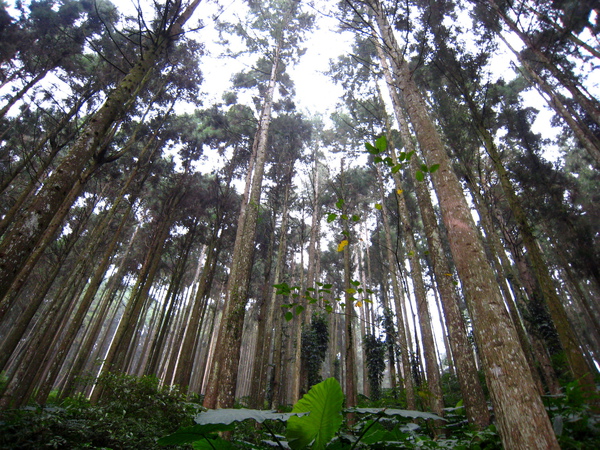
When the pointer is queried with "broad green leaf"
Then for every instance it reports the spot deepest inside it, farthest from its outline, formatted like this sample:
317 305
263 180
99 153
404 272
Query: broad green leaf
434 168
228 415
389 161
419 176
409 155
288 316
194 433
218 444
340 203
355 282
377 159
327 286
378 206
299 309
355 217
402 156
324 402
396 412
350 291
372 150
331 217
346 233
381 144
424 168
342 245
396 168
344 217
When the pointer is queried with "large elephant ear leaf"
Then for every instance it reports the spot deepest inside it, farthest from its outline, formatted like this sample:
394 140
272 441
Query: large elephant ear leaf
324 402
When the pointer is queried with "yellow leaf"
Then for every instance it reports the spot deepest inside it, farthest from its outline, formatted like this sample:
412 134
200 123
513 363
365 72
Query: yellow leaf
399 191
359 304
378 206
342 244
448 274
350 291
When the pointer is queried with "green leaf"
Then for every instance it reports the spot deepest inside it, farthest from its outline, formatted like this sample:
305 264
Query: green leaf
331 217
355 217
299 309
344 217
372 150
381 144
389 161
396 168
327 286
289 316
377 159
227 416
424 168
339 203
402 156
355 282
419 176
192 434
218 443
324 402
396 412
409 155
434 168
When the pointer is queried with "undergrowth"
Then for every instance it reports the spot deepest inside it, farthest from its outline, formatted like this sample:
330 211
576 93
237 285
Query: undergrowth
136 413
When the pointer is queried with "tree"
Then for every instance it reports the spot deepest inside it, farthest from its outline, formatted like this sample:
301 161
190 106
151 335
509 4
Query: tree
510 383
280 23
62 188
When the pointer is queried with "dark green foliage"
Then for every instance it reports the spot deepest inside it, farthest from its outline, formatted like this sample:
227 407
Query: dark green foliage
574 424
375 350
314 347
132 414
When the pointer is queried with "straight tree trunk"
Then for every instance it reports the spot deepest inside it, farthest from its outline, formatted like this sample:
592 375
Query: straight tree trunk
223 375
522 420
32 223
471 389
405 347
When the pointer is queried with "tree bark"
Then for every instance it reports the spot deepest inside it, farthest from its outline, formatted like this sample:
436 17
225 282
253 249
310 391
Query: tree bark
522 420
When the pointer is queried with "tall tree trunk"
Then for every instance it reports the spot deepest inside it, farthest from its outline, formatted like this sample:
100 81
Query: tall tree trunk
263 347
405 348
32 223
223 376
522 420
471 389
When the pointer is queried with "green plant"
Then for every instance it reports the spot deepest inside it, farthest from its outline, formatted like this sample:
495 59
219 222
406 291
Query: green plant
575 424
313 423
375 359
133 413
315 338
